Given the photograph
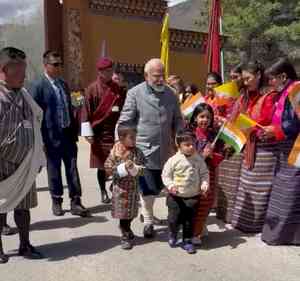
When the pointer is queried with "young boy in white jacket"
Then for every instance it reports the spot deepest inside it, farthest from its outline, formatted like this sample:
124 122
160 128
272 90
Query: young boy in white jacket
185 176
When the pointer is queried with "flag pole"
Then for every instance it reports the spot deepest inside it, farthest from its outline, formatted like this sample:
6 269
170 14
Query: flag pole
219 133
222 52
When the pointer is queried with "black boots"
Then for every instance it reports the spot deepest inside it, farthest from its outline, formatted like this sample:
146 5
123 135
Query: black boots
77 209
104 197
57 206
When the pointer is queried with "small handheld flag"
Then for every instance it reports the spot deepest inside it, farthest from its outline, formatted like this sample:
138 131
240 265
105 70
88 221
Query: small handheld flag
233 136
244 122
188 106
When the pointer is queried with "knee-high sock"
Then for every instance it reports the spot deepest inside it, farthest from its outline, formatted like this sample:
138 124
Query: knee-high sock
2 223
22 219
147 203
101 179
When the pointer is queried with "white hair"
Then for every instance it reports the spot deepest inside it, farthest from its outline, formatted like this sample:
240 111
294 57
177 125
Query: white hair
153 63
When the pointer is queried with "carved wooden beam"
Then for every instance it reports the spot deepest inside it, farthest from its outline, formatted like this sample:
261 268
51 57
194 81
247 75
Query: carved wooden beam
145 9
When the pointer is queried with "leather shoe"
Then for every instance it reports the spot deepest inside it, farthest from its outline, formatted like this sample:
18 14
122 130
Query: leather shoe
77 209
57 207
29 252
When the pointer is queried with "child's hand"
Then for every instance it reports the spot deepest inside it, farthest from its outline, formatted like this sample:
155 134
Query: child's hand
207 151
204 188
129 165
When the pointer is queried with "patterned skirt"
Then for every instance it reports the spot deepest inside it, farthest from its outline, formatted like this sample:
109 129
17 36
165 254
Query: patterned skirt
229 172
205 205
254 191
125 198
282 224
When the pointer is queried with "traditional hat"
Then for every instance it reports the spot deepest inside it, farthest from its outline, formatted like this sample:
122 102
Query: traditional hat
104 63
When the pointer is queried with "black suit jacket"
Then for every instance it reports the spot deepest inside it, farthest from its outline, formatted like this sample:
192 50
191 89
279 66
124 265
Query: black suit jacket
44 94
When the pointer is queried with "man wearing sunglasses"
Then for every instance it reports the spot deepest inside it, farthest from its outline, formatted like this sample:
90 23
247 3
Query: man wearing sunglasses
59 134
21 152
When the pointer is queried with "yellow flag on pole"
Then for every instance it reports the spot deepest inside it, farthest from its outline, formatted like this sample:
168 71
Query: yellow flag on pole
244 122
164 40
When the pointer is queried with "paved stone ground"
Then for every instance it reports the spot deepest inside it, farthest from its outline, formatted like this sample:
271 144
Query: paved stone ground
87 249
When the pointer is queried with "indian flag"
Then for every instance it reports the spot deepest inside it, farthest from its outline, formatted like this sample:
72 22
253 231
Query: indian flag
294 157
294 96
233 136
226 93
244 122
188 106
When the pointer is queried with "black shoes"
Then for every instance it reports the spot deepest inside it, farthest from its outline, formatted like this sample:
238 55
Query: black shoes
57 207
3 258
149 231
29 252
77 209
104 196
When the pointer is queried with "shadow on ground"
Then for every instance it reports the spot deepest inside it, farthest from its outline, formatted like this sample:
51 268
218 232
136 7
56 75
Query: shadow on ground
66 223
88 245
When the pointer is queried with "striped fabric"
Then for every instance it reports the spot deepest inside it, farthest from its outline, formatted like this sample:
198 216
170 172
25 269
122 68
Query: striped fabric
254 190
282 224
228 181
16 137
206 203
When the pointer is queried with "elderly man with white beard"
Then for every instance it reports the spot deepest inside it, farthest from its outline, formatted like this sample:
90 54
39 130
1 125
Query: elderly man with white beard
153 110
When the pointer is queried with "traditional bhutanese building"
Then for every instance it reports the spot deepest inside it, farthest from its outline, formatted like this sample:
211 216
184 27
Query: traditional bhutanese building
128 31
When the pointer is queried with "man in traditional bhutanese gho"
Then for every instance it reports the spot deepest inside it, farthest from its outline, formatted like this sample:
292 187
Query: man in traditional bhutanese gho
21 153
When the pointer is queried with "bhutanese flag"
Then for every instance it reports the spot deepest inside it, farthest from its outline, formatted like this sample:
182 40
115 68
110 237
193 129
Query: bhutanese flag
233 136
244 122
164 40
294 96
188 106
226 93
294 157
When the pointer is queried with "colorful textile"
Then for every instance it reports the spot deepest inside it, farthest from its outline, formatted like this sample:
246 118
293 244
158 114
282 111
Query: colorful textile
205 137
228 180
282 223
20 149
254 190
103 105
125 194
